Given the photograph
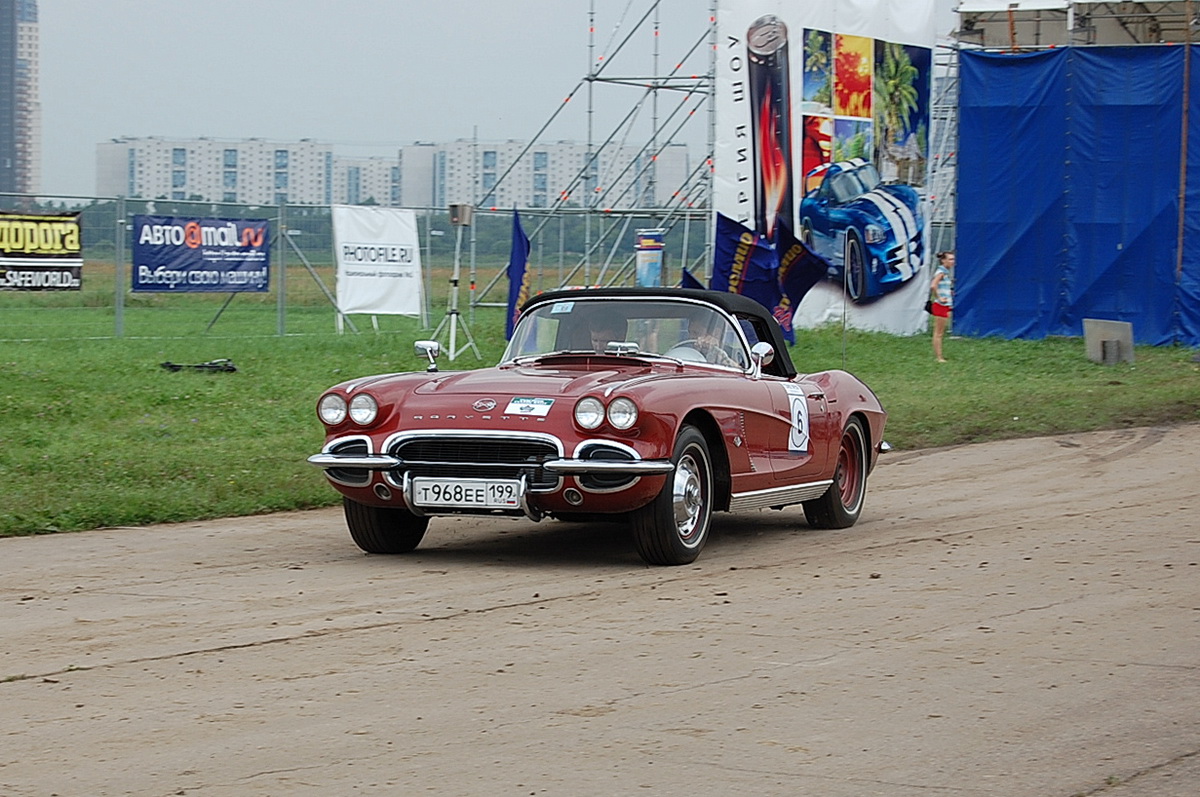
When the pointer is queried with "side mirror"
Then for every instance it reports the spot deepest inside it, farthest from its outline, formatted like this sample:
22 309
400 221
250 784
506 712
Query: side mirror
429 349
761 354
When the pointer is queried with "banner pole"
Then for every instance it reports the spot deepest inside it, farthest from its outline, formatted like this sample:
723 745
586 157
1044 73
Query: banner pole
119 270
219 312
281 279
337 312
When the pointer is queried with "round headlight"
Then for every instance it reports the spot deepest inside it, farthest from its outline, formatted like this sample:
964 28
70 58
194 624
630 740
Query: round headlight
363 409
622 413
589 413
332 409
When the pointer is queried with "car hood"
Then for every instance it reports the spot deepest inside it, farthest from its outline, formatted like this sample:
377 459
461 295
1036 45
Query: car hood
514 396
523 381
505 383
893 206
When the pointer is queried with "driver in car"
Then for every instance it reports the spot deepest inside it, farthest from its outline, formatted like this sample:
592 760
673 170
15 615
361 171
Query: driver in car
703 335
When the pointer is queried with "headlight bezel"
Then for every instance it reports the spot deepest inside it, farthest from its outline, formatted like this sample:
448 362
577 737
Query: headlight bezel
592 412
363 409
332 409
622 413
589 413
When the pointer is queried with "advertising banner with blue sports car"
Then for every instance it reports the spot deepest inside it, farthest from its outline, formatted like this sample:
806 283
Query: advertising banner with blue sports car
173 254
823 131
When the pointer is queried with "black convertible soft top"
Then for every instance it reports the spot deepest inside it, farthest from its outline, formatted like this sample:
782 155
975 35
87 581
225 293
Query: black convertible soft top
735 304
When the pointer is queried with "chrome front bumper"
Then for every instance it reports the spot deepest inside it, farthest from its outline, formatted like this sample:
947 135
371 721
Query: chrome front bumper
636 467
639 467
362 461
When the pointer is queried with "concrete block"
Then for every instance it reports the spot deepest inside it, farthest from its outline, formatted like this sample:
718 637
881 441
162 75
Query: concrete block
1108 342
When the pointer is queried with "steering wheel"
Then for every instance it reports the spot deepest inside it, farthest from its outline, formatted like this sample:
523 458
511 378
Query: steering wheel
688 350
701 351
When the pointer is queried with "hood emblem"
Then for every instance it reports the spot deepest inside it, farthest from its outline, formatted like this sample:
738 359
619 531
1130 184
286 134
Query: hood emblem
484 405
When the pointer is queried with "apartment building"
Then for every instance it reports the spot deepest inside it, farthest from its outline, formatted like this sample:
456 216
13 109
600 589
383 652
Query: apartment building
20 107
250 171
513 173
421 175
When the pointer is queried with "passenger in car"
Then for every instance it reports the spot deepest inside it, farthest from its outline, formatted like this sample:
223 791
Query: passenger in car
604 330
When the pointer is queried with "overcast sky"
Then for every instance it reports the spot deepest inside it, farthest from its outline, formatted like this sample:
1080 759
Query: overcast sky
363 75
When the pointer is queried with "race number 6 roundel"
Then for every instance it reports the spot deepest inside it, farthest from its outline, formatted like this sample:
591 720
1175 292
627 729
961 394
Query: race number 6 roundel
798 437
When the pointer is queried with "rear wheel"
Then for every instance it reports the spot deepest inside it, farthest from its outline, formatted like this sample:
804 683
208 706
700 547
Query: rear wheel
841 504
672 529
378 529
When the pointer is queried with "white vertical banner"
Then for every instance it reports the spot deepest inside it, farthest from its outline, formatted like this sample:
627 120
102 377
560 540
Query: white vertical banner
823 126
378 258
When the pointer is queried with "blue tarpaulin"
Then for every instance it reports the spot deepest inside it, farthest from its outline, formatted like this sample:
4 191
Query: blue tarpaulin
1069 180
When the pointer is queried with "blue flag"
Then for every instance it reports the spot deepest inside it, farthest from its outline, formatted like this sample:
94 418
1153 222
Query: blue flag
800 268
745 262
689 281
518 275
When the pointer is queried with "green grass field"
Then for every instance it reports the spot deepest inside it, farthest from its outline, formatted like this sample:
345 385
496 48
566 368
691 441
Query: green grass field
94 432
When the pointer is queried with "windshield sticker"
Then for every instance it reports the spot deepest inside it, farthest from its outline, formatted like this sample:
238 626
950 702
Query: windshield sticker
529 406
562 307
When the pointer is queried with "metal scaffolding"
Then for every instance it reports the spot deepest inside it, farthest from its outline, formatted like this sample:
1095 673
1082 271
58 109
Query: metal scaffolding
672 104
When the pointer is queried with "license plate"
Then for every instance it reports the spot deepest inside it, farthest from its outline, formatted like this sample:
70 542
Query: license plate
467 493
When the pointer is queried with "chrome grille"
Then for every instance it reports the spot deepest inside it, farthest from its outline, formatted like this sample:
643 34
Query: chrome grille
477 457
898 254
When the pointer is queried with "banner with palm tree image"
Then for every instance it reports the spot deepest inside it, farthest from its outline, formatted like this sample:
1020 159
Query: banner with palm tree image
823 129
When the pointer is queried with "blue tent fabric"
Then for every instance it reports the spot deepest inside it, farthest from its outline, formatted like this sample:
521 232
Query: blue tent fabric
1078 215
1187 308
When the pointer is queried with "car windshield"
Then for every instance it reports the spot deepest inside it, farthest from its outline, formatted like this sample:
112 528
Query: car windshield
681 330
854 183
868 175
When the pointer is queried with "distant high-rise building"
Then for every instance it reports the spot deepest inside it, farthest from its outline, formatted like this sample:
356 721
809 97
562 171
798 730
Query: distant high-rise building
20 108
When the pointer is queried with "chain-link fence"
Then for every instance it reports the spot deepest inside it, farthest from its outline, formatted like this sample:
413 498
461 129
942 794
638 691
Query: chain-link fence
568 247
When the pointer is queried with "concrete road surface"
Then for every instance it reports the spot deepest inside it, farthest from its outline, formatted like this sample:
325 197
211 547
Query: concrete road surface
1014 618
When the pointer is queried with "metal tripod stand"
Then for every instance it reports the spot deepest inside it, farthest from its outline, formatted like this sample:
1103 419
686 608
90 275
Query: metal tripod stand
451 320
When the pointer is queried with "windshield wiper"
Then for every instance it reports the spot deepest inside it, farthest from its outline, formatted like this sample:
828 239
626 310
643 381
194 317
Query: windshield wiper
527 358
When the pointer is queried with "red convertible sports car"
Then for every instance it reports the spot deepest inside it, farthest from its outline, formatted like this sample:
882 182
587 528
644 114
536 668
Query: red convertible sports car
653 405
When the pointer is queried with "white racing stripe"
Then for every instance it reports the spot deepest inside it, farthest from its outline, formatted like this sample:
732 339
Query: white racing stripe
904 225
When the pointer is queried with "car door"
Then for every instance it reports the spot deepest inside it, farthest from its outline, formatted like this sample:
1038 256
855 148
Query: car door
817 222
799 437
796 417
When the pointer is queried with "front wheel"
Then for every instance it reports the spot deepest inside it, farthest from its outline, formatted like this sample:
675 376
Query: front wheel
672 529
856 269
841 504
806 233
378 529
